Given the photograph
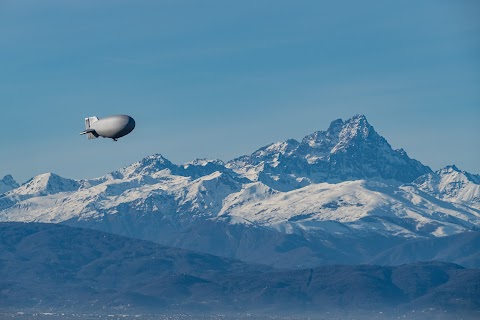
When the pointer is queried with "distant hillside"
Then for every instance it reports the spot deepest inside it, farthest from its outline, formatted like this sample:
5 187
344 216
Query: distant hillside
461 248
60 267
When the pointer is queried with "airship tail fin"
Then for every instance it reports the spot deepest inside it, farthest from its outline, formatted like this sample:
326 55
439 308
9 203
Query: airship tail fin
91 134
89 121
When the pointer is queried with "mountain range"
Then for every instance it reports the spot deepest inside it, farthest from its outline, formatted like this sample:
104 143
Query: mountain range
343 195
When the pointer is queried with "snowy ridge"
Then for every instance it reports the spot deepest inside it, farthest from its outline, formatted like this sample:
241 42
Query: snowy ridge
362 206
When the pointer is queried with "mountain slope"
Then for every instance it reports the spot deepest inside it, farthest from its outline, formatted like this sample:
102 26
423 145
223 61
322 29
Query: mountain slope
361 206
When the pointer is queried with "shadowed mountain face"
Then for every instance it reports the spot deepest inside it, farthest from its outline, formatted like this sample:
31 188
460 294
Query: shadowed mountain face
462 249
7 183
55 266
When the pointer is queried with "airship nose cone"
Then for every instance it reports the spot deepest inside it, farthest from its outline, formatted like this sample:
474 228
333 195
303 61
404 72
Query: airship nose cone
131 123
127 126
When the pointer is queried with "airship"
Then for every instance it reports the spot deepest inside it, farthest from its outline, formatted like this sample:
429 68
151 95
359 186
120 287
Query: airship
112 127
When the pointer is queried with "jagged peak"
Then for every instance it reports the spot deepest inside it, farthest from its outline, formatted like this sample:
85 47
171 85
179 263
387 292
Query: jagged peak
156 160
355 126
8 180
340 131
453 170
7 183
335 127
451 183
449 168
283 146
359 117
148 165
157 157
203 162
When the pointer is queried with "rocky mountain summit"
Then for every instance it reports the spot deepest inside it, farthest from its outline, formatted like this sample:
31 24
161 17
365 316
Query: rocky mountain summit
348 150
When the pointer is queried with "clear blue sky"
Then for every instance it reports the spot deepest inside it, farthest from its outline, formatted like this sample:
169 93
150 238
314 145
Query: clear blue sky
219 79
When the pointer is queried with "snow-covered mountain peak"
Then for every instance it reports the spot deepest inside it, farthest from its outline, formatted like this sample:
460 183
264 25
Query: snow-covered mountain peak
272 150
448 169
452 184
339 133
357 131
7 183
348 150
356 126
155 160
147 166
454 171
359 120
452 174
45 184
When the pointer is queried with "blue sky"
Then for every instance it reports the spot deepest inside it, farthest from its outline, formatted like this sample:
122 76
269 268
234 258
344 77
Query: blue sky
219 79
